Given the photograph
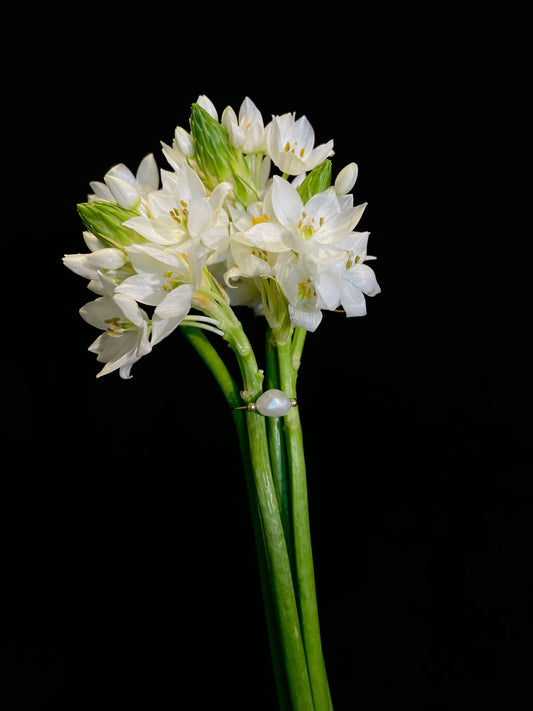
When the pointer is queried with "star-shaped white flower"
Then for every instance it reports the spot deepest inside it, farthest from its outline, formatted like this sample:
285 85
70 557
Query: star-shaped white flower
167 279
358 278
125 330
311 228
291 144
247 131
182 210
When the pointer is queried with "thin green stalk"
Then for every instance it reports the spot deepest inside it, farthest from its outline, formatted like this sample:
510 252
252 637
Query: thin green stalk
276 546
301 531
276 552
276 441
231 392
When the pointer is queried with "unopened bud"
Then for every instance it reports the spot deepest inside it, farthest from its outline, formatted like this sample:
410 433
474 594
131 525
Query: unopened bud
124 193
105 220
184 142
345 180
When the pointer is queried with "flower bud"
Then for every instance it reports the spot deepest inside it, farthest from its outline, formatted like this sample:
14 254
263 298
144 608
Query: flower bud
345 180
124 193
184 142
218 160
105 220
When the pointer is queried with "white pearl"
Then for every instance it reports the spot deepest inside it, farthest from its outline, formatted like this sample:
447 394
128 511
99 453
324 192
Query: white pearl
273 403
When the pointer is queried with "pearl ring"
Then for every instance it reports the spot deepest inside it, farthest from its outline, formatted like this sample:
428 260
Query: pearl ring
272 403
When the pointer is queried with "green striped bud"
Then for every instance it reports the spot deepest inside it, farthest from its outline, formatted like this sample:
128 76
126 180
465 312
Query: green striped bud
105 220
217 158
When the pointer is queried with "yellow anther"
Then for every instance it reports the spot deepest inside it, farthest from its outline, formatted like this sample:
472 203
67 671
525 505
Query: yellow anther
302 153
257 220
287 147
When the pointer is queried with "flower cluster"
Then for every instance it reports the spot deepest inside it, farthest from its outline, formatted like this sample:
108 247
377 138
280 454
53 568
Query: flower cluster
170 246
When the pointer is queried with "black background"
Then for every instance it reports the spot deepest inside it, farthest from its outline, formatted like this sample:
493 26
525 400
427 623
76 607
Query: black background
127 562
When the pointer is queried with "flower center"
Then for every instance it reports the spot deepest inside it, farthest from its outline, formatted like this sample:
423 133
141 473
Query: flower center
180 214
351 260
260 253
172 281
257 220
307 228
293 148
116 327
306 289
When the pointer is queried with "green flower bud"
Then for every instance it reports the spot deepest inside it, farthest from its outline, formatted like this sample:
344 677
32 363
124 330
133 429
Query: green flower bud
217 158
318 180
105 220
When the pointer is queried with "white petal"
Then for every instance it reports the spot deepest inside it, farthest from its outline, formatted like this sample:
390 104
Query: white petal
301 132
107 258
353 300
149 229
125 194
129 308
319 154
101 191
96 312
176 304
147 174
79 265
290 163
208 106
200 216
286 203
162 327
328 288
92 241
145 288
121 171
267 236
308 320
364 278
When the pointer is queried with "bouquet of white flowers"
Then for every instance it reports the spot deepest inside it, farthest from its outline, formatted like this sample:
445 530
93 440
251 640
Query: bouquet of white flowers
178 249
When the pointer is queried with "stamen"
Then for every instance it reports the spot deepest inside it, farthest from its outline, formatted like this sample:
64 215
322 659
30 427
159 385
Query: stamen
257 220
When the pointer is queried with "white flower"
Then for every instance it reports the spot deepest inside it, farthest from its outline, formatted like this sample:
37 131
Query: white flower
358 278
167 279
122 186
99 258
312 228
181 210
125 330
296 277
246 132
290 144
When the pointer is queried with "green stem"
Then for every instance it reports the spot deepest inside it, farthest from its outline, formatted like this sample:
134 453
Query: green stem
277 558
276 441
226 383
276 546
301 530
